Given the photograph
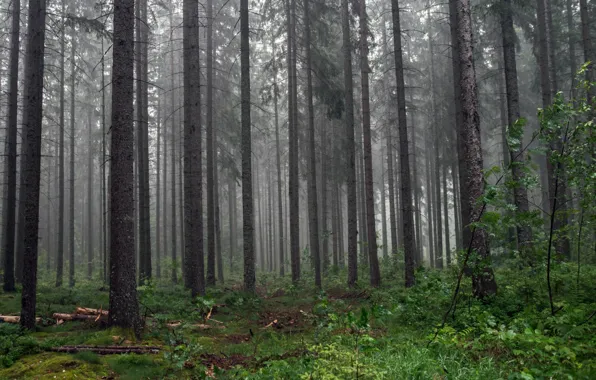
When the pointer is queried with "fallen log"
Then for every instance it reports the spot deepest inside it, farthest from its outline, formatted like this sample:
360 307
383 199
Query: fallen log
78 317
108 350
90 311
14 319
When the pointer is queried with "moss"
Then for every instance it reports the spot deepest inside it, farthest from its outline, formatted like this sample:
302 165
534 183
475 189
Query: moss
50 365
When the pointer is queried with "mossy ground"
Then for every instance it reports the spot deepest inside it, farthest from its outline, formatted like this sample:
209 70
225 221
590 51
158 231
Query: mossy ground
285 332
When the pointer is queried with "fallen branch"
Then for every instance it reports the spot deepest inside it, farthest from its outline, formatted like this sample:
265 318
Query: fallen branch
78 317
14 319
89 311
108 350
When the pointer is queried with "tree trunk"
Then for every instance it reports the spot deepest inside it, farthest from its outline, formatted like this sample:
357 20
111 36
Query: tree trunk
247 200
383 209
90 216
71 193
61 167
282 270
436 164
124 309
588 46
174 128
483 280
158 221
313 209
294 182
193 192
518 157
31 156
404 155
210 153
9 211
350 148
104 163
375 274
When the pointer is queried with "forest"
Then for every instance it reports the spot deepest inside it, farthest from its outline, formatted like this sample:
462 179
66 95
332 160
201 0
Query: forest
298 189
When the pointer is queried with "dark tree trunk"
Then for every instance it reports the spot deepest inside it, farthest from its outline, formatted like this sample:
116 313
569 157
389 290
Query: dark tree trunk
459 130
210 152
31 156
9 210
61 167
375 274
124 309
71 192
193 193
158 220
104 163
174 128
90 216
282 270
293 183
313 226
404 155
247 199
587 45
350 148
383 209
518 157
483 280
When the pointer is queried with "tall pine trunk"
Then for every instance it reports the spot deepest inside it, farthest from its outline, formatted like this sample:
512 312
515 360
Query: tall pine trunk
210 151
483 279
193 198
124 309
313 217
247 199
9 218
71 192
404 155
350 148
31 156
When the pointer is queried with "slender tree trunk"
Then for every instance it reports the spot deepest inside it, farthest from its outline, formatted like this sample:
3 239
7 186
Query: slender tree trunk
61 195
210 154
124 309
193 193
389 150
571 42
104 195
459 130
383 209
375 274
90 216
71 193
247 200
350 148
31 156
158 221
436 164
313 209
282 270
429 205
518 157
483 282
9 211
446 213
174 128
404 155
294 182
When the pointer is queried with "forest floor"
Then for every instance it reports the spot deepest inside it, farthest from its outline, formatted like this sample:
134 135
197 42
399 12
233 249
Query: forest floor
289 332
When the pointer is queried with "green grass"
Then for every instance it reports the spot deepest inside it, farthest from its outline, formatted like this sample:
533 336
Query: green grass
365 333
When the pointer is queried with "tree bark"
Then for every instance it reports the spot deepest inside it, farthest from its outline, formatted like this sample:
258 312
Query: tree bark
71 193
9 211
282 269
375 274
350 148
483 280
517 155
210 152
404 155
124 309
90 216
293 182
173 130
313 208
31 156
247 199
193 192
